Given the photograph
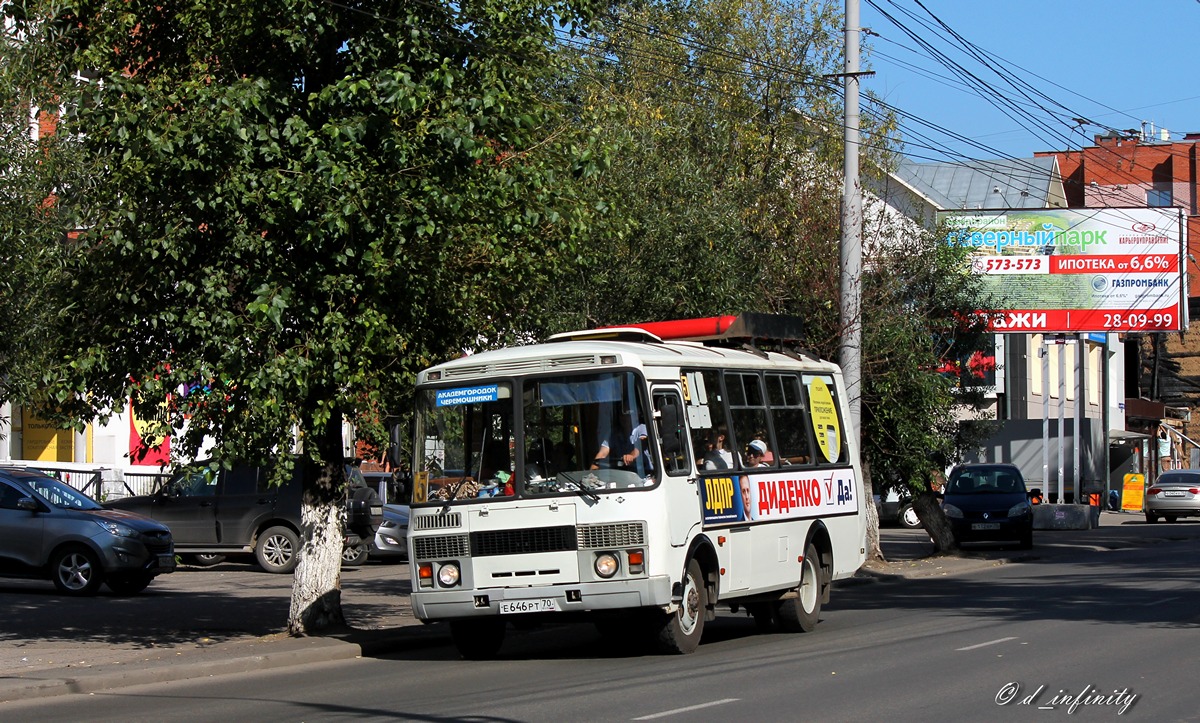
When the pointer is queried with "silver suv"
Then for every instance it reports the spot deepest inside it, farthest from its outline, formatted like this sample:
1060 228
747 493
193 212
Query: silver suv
50 530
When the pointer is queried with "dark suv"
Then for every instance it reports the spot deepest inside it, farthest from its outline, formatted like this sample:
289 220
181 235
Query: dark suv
51 530
238 512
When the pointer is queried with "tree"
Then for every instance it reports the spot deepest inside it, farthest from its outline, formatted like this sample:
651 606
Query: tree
923 302
718 108
293 206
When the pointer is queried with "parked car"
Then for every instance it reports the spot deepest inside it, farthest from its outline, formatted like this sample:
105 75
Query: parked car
238 512
391 539
897 507
989 502
50 530
1176 494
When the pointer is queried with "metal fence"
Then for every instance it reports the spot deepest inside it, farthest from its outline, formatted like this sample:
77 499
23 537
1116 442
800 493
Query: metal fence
100 483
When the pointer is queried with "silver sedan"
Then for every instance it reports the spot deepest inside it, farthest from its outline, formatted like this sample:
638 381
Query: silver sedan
1176 494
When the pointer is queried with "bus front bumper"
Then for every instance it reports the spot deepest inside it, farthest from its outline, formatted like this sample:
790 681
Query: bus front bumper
436 605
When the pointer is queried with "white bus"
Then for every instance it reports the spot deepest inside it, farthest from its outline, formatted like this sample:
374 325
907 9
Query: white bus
634 479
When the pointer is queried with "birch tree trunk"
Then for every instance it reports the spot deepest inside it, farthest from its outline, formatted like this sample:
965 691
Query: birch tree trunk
874 550
317 586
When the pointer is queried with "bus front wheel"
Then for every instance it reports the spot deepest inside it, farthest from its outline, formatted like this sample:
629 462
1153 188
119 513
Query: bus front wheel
799 614
681 630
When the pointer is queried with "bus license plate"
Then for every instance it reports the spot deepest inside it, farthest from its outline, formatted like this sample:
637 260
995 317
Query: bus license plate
540 605
985 526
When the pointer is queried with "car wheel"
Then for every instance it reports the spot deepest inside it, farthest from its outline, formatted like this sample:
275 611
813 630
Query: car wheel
205 559
276 550
478 638
800 613
129 583
908 517
77 571
1027 540
1151 518
680 631
355 555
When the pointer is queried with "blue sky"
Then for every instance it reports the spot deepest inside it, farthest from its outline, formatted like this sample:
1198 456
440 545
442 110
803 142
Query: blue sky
1111 64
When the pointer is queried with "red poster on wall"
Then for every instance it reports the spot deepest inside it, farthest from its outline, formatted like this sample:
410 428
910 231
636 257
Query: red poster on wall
139 452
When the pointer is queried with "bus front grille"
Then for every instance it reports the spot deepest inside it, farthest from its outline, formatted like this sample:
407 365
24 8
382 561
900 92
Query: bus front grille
613 535
440 547
440 521
517 542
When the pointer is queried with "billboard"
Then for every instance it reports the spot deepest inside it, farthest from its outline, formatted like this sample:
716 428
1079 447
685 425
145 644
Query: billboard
1076 270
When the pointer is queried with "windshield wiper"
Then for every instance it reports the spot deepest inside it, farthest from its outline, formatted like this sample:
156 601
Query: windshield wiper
580 487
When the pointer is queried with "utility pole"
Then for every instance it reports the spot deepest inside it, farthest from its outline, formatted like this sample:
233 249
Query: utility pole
850 256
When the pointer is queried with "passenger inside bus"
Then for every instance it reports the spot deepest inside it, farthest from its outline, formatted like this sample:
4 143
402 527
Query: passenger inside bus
718 455
756 452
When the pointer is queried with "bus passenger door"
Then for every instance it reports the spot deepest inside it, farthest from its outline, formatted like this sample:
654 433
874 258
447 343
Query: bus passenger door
678 479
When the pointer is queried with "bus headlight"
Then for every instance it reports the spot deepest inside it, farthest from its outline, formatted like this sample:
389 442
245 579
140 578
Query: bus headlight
448 574
607 564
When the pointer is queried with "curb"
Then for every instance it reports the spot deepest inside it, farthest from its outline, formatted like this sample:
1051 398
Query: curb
226 659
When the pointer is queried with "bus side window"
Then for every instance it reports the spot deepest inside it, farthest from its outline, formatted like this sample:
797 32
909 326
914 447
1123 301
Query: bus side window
790 419
748 409
706 416
672 433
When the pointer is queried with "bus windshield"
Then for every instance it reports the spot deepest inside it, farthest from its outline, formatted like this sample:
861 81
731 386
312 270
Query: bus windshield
573 434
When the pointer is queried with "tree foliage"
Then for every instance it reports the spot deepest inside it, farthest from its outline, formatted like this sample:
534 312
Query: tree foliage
32 228
716 110
295 205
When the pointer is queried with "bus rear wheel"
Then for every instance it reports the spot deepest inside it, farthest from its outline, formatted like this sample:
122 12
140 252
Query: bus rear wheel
478 638
799 614
679 633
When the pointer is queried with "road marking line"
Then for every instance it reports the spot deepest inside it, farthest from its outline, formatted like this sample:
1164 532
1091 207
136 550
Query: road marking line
688 709
984 645
1165 600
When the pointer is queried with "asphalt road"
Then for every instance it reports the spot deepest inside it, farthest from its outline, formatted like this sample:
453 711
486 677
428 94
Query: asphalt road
1112 631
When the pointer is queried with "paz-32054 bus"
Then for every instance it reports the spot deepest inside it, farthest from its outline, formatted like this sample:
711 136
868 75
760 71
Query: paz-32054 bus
634 479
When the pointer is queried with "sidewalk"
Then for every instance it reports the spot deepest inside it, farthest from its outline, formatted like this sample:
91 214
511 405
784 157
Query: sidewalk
909 553
191 623
230 619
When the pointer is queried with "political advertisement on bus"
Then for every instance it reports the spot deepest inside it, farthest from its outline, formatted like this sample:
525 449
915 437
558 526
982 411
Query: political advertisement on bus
1076 270
779 496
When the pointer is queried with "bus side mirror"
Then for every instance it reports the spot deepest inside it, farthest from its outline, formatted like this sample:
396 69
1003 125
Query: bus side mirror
396 449
672 432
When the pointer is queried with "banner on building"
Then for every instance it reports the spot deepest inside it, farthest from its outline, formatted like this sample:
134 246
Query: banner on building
141 451
1076 270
